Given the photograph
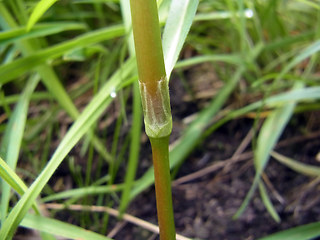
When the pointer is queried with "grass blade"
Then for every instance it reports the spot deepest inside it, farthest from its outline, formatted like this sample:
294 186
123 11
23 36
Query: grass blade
8 175
180 18
302 168
40 30
267 202
38 11
134 149
21 66
304 232
10 147
59 228
82 192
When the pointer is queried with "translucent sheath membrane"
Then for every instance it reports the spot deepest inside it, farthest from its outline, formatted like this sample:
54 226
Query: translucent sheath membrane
156 109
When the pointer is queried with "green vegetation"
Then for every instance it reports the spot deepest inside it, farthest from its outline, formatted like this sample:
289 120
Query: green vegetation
71 112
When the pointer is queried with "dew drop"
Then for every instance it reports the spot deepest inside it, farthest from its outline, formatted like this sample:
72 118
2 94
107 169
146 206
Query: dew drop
249 13
113 94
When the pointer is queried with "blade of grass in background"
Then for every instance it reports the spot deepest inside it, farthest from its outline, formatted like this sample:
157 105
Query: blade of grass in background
82 192
39 30
59 228
10 146
134 149
10 177
135 132
180 18
305 169
23 65
38 11
303 232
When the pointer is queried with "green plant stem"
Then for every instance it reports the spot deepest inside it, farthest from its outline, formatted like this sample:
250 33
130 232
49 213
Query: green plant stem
155 100
160 154
152 75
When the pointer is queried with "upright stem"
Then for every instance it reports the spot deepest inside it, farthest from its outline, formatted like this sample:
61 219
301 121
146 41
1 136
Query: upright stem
152 75
155 103
160 154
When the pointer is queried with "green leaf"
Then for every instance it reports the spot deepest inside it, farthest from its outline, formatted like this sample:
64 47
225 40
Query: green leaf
299 167
304 232
59 228
180 18
10 147
82 192
39 30
8 175
38 11
267 202
227 58
134 149
19 67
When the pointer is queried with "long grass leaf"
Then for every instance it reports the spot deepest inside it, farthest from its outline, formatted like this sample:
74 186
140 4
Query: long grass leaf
180 18
299 167
303 232
267 202
59 228
8 175
134 149
227 58
38 11
82 192
19 67
10 147
39 30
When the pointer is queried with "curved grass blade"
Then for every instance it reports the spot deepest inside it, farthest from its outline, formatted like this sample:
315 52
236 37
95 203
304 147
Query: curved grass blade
180 18
82 192
134 149
19 67
299 167
137 117
59 228
8 175
80 127
10 147
227 58
267 203
39 30
303 232
38 11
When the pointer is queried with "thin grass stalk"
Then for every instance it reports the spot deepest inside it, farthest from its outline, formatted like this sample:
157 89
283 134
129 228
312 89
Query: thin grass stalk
155 103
